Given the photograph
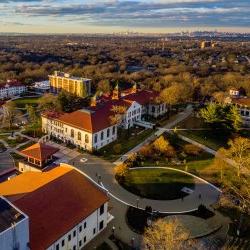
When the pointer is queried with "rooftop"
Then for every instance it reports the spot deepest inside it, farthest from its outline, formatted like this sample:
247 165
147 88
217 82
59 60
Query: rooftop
8 215
39 151
97 118
55 201
243 101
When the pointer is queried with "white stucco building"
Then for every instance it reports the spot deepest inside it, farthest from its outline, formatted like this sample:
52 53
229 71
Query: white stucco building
65 210
14 227
11 88
96 126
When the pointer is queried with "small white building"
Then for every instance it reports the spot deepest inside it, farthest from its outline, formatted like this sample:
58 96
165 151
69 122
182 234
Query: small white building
42 87
65 209
14 227
11 88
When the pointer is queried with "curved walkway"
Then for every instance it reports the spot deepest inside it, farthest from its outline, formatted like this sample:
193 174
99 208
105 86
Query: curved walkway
100 170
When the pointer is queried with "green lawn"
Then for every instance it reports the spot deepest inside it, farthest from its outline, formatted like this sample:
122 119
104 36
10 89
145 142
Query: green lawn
214 139
126 141
22 102
158 184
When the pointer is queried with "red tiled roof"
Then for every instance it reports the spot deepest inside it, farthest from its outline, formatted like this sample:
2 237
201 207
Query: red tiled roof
39 151
142 97
11 83
60 200
242 101
97 118
91 120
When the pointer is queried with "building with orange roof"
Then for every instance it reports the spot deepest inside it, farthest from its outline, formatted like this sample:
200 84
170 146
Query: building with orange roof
96 126
37 157
65 209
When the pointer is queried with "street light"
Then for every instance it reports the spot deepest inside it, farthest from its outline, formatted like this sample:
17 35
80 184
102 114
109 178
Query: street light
137 202
113 232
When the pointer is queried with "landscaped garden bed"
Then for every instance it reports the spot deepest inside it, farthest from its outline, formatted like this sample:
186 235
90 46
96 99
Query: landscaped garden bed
125 142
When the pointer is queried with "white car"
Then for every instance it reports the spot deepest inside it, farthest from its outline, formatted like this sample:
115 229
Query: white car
83 160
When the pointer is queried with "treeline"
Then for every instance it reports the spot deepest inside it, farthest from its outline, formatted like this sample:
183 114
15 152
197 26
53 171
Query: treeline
162 63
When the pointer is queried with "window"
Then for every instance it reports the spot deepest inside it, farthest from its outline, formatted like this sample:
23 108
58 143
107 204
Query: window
72 133
96 137
74 247
80 228
80 243
102 209
101 135
101 225
153 109
86 139
62 243
84 239
94 231
57 246
74 233
108 132
85 224
69 237
79 136
113 130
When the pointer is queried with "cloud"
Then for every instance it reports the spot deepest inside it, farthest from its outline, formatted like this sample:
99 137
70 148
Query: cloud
155 13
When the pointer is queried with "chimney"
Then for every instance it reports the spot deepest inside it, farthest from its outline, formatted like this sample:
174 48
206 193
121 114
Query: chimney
116 93
93 101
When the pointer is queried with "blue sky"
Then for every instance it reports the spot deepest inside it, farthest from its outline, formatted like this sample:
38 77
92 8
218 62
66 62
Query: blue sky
90 16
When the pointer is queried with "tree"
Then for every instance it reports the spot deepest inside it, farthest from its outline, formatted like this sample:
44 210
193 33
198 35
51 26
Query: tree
222 116
233 118
239 152
10 114
49 102
103 87
160 144
167 234
31 114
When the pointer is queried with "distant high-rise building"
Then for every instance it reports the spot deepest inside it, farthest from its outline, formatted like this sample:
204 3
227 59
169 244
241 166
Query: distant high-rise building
78 86
207 44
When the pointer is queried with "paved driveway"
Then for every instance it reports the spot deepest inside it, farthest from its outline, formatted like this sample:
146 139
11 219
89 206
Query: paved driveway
103 171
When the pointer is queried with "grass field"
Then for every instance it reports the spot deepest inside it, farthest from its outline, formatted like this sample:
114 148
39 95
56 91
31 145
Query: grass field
126 142
22 102
158 184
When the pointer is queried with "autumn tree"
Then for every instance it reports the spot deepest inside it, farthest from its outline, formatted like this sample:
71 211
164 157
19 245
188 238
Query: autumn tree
167 234
161 144
10 114
49 102
104 87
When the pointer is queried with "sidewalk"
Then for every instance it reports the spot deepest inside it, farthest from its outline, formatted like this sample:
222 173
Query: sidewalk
179 117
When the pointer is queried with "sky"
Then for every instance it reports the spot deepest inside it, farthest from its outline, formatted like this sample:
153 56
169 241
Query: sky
107 16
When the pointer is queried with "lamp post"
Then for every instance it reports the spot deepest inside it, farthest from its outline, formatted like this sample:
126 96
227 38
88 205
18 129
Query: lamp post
113 232
137 202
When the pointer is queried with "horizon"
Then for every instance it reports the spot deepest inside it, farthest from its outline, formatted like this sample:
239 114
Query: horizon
119 16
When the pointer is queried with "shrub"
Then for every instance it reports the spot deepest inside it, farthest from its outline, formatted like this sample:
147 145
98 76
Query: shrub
146 151
117 148
121 171
191 149
161 144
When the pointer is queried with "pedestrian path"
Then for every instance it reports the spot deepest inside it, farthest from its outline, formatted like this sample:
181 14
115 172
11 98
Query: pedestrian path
179 117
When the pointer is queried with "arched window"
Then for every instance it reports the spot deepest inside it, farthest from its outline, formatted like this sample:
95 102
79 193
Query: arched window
153 109
86 138
72 133
108 132
79 136
96 137
102 135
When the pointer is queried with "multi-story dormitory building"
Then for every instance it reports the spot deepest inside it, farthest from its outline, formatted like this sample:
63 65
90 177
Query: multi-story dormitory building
93 127
78 86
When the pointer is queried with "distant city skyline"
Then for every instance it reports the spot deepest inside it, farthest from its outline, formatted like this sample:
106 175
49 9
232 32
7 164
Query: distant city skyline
107 16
